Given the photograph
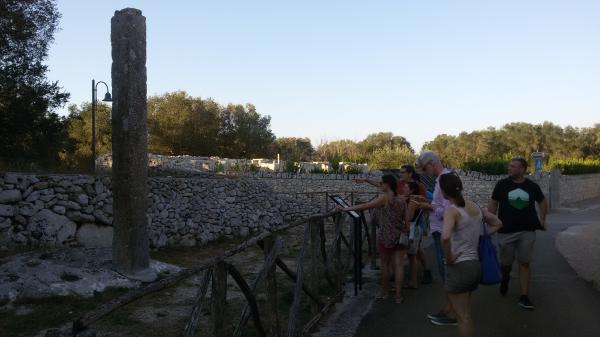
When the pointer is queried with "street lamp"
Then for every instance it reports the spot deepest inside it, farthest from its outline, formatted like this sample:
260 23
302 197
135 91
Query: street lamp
107 98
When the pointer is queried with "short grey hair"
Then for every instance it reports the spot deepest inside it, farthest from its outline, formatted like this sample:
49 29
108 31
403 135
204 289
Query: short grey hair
426 157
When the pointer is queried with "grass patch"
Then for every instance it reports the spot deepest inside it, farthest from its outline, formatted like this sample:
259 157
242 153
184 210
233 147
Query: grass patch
190 257
51 311
121 318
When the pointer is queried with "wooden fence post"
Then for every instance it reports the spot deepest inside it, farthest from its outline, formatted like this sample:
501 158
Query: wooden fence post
192 326
271 289
337 253
219 298
315 261
293 313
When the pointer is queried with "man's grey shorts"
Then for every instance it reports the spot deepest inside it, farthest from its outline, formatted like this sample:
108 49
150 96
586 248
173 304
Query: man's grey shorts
520 243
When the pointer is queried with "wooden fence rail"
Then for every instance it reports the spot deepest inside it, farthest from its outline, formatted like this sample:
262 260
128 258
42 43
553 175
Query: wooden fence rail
324 261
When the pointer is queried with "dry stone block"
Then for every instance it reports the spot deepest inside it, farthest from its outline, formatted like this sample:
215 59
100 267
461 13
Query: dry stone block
51 227
5 224
7 210
9 196
91 235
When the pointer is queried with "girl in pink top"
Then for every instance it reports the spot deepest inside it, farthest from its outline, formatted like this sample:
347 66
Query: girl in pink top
393 219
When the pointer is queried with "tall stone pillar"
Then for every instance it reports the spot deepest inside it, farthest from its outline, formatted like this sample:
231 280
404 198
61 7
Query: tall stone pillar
130 249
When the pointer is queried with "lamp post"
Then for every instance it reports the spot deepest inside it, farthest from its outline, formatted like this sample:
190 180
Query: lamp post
107 98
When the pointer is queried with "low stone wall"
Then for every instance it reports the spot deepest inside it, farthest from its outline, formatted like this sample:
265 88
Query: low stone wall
193 210
577 188
303 183
58 210
478 186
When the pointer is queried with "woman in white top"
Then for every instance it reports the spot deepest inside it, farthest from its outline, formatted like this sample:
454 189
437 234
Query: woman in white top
460 240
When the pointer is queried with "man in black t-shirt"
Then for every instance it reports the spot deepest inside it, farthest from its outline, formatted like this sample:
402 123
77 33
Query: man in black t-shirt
514 199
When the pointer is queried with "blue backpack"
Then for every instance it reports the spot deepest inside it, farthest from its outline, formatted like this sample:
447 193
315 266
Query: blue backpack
490 268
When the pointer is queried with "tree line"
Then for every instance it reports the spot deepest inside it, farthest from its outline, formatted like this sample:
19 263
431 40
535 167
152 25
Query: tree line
489 149
179 124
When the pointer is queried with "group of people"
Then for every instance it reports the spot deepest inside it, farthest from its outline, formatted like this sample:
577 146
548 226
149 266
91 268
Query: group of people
405 211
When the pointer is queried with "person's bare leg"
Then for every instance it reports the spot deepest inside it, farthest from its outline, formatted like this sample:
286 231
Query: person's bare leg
524 277
414 270
385 276
422 259
461 303
449 309
391 268
399 273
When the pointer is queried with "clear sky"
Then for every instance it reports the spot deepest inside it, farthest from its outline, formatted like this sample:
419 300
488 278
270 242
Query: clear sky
342 69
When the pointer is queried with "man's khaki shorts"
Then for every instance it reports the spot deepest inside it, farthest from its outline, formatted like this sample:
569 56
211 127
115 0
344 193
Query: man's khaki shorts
519 243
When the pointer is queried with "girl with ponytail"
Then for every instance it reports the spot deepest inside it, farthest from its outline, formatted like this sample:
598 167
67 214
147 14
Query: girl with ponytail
463 224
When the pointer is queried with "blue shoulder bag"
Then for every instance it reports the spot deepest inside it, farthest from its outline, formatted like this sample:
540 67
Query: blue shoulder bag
490 268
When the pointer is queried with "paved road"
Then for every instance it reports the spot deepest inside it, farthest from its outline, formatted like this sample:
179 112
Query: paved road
565 305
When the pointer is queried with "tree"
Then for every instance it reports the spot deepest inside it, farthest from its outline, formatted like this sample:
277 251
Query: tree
380 140
293 149
181 124
243 132
339 150
79 128
489 147
29 129
391 157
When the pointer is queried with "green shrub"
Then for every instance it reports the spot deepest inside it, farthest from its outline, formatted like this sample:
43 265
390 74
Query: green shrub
318 170
567 166
391 157
243 167
334 164
575 165
291 167
353 170
493 167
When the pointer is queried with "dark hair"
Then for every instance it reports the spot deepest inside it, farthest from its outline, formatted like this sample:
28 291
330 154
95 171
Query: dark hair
413 173
452 187
413 186
521 160
391 181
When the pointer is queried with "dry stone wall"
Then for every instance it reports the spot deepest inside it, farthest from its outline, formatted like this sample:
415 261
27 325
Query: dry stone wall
478 186
577 188
59 210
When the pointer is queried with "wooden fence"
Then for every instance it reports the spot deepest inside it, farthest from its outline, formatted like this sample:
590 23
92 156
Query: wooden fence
317 260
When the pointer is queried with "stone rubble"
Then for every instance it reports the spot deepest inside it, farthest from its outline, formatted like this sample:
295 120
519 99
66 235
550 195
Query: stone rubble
67 271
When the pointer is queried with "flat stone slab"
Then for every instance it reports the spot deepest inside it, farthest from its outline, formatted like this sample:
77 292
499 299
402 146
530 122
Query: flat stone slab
62 272
347 315
580 245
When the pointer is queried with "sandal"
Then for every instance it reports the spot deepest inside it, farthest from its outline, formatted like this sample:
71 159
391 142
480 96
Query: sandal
399 300
409 287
